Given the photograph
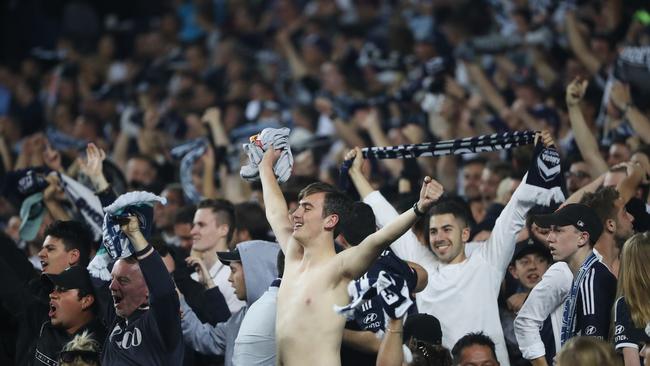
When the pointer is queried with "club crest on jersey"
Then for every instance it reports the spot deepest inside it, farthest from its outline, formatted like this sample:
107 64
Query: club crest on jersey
548 164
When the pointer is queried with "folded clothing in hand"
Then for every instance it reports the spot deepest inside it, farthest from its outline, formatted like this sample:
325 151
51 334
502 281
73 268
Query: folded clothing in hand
276 138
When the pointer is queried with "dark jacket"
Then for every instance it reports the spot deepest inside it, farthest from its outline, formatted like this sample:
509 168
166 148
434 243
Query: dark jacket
51 341
151 335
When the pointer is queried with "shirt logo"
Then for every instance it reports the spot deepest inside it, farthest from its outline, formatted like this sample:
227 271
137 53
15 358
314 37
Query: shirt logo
370 318
619 329
130 338
591 330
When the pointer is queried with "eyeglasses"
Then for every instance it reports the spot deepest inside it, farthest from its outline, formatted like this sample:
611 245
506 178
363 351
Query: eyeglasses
579 175
86 356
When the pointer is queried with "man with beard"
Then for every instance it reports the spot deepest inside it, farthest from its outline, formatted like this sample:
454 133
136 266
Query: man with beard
72 312
66 244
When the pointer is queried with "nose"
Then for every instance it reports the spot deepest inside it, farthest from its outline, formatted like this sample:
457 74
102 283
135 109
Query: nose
550 237
629 216
41 253
113 285
195 230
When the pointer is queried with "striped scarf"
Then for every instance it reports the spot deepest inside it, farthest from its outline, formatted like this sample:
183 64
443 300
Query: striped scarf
569 315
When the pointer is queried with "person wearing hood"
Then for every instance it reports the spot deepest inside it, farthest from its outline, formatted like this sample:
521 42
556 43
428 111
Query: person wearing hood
253 269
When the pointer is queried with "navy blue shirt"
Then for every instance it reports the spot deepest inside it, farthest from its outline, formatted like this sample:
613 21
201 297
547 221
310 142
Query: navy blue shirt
370 316
626 334
594 302
151 335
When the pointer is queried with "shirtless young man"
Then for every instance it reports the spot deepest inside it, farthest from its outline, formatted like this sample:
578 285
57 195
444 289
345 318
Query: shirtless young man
308 331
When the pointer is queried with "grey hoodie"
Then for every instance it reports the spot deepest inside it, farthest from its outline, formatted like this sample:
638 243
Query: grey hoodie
259 263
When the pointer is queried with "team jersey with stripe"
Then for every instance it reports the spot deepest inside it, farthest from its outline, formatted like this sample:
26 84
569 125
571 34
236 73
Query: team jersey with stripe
594 303
626 334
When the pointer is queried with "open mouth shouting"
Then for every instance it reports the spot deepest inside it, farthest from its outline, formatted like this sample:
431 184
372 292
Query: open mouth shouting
53 309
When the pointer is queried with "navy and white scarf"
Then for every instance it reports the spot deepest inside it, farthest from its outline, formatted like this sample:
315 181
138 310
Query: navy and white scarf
189 153
569 315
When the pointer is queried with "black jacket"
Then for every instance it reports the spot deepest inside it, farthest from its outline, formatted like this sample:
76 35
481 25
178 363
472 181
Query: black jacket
151 335
51 341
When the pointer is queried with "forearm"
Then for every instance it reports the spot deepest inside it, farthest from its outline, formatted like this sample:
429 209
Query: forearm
586 142
541 361
390 350
361 340
298 68
209 188
379 138
640 123
488 91
5 154
275 206
628 186
360 183
579 46
589 188
631 357
55 209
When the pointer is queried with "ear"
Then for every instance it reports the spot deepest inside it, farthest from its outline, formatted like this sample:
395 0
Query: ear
610 225
583 240
87 301
74 256
331 221
464 235
513 272
223 230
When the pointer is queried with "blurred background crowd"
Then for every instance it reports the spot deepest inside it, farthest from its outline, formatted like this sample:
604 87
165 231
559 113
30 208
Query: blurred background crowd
138 78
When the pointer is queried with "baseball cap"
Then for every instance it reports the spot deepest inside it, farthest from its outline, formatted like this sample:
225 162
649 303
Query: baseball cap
423 327
231 256
582 217
530 246
32 212
75 277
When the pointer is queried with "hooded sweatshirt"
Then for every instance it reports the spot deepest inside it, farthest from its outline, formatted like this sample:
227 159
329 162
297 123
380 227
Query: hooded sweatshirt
258 260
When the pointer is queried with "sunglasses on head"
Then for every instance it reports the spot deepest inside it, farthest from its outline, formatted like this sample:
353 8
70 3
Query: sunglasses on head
86 356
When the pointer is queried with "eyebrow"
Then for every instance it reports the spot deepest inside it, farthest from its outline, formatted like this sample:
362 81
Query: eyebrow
442 227
305 204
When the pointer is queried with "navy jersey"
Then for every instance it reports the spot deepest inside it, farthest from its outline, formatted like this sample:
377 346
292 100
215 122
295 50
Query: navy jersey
594 303
370 315
151 335
626 334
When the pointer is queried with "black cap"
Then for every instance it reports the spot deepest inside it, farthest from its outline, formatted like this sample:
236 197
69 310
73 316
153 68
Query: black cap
423 327
227 257
75 277
583 217
530 246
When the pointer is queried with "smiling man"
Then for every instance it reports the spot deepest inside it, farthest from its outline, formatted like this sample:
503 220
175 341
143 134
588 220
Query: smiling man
575 228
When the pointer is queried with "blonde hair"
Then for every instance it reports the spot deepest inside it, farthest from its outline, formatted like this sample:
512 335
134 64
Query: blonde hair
634 277
587 351
80 342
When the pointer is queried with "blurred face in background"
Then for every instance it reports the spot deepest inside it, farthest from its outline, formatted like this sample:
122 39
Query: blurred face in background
577 177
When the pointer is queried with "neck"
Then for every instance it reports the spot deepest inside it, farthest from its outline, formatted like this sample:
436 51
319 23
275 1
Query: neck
85 318
460 257
209 258
606 247
576 260
318 250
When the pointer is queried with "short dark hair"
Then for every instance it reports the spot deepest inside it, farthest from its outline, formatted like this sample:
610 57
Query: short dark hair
335 202
250 216
500 168
470 339
185 215
452 206
225 212
74 235
603 202
359 224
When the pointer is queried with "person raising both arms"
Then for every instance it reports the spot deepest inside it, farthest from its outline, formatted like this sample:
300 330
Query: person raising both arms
308 330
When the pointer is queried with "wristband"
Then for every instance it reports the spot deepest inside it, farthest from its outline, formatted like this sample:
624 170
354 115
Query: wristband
144 252
418 213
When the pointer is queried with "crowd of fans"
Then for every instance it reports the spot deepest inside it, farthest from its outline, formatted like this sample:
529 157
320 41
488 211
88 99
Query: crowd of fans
159 96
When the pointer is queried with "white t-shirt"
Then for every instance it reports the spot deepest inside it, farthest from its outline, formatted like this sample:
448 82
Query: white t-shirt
464 296
220 273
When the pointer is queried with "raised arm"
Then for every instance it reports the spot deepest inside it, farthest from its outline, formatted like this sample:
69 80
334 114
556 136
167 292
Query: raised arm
275 205
163 299
584 138
620 95
579 46
355 261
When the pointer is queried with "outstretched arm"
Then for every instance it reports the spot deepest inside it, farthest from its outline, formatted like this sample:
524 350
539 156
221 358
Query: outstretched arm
355 261
585 139
275 206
